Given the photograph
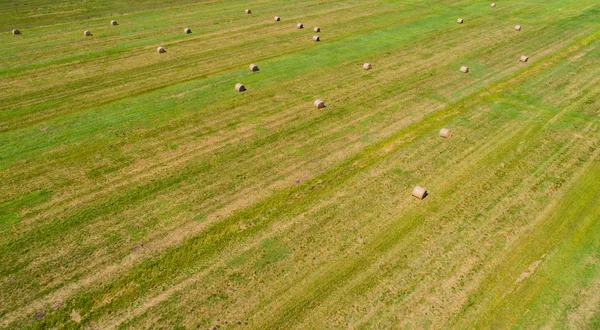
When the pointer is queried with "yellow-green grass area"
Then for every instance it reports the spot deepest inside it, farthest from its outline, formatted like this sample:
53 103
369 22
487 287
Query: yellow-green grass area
139 190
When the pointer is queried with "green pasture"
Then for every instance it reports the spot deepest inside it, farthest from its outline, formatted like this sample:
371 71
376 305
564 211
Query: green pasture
140 190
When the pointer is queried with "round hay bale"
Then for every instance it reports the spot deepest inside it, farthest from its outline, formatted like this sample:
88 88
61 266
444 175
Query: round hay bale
460 21
419 192
277 18
187 30
493 5
300 25
524 58
445 133
114 23
16 32
367 66
87 33
253 67
319 104
240 88
317 29
248 11
161 50
517 28
316 38
464 69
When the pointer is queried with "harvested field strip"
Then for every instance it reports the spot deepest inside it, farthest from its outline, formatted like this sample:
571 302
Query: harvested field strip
52 265
251 227
140 190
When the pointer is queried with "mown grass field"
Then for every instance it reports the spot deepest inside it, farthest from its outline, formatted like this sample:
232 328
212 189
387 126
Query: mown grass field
139 190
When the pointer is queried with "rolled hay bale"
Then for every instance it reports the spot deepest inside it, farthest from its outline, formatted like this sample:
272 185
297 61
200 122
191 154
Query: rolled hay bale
524 58
114 23
493 5
253 67
300 25
187 30
16 32
248 11
445 133
367 66
419 192
87 33
317 29
161 50
464 69
316 38
319 104
240 88
277 18
460 21
517 28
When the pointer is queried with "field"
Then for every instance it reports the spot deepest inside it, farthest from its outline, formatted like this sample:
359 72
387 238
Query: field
140 190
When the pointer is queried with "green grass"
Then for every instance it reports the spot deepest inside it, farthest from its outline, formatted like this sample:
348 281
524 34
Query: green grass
140 190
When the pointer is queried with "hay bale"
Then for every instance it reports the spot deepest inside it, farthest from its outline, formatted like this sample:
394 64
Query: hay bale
161 50
445 133
517 28
16 32
524 58
319 104
248 11
419 192
187 30
87 33
300 25
277 19
367 66
460 21
317 29
493 5
316 38
114 23
240 88
464 69
253 67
